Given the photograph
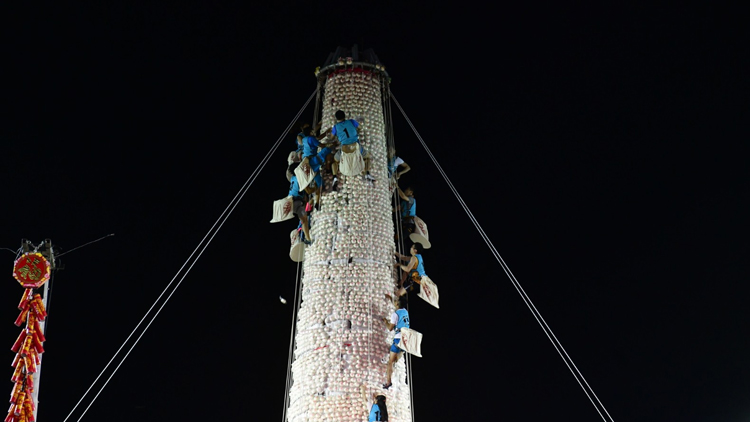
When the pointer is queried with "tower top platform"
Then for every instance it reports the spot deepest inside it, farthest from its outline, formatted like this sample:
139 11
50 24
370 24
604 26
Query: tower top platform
344 58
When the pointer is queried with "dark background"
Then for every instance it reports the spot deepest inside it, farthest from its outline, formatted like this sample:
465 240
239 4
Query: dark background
601 148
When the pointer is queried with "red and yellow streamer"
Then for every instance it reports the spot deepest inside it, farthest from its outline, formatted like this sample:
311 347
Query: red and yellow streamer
28 347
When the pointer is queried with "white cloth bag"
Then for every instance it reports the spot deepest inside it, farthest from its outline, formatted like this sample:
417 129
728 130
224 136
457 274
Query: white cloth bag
304 178
411 342
429 292
282 209
352 163
420 234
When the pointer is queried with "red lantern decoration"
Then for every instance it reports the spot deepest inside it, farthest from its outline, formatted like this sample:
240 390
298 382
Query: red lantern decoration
32 270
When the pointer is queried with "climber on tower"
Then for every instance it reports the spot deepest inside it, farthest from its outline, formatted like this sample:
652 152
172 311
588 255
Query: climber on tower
310 155
399 319
377 410
394 162
299 203
345 130
408 208
348 136
296 155
301 135
413 271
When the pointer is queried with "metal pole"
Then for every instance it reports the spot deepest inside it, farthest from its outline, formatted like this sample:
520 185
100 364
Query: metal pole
49 254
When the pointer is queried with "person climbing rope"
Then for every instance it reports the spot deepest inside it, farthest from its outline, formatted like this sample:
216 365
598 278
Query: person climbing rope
296 155
413 271
311 157
394 162
301 135
299 203
310 144
399 319
408 207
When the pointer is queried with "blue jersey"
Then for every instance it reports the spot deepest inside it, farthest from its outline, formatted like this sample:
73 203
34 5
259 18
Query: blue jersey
403 320
409 209
346 131
420 265
316 160
310 146
374 414
294 188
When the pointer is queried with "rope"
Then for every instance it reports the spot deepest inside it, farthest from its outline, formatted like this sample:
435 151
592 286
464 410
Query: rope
291 343
212 233
297 288
369 285
411 378
409 367
316 112
537 315
388 111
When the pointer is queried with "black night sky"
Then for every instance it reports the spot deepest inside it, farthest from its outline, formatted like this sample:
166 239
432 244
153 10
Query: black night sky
601 148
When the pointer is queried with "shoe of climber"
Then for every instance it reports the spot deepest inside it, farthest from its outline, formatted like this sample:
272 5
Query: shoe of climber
368 176
307 242
387 386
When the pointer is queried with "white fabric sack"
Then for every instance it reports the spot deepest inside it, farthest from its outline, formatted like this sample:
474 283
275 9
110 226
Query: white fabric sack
420 234
352 163
304 178
411 342
282 209
429 292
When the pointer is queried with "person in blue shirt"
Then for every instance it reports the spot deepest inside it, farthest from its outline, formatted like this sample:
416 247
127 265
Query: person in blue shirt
310 143
347 132
413 271
394 162
301 134
378 410
296 155
408 204
398 320
311 156
408 208
299 202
